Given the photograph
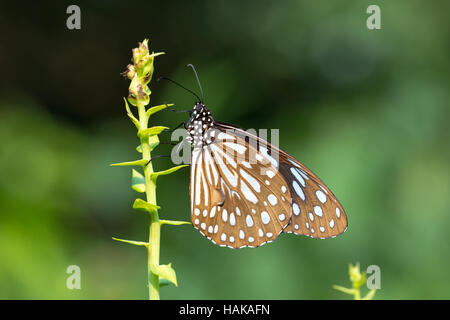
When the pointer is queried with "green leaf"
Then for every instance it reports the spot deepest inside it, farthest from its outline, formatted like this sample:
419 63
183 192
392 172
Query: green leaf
155 54
165 271
139 148
132 99
164 283
142 205
153 142
173 222
345 290
370 295
141 162
155 175
155 109
136 243
137 181
130 115
153 131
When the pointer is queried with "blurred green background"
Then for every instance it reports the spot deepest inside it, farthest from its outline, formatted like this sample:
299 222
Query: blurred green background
366 110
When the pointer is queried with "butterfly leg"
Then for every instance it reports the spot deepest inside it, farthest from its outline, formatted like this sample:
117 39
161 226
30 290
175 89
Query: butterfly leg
158 156
179 111
171 143
178 126
172 108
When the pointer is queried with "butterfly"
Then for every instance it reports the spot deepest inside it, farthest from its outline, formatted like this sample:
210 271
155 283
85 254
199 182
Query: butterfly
245 192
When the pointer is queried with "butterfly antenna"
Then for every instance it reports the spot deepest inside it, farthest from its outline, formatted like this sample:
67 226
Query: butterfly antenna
181 86
198 81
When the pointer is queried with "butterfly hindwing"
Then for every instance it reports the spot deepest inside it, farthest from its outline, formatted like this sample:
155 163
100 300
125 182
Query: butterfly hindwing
315 210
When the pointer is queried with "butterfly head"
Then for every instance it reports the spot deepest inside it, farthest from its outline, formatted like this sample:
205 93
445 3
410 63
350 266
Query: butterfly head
198 125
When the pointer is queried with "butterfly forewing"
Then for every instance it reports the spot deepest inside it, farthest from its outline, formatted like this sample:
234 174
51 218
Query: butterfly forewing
237 197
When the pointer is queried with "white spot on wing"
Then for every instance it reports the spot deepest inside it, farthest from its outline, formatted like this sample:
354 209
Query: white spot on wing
212 213
224 215
318 211
321 196
272 199
232 219
265 218
297 175
298 190
248 194
296 209
253 182
270 174
249 221
331 223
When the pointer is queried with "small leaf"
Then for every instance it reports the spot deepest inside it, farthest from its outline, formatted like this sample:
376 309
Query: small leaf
155 54
155 175
345 290
141 162
142 205
356 277
164 283
153 131
155 109
173 222
132 99
153 142
136 243
139 148
130 115
370 295
165 271
137 181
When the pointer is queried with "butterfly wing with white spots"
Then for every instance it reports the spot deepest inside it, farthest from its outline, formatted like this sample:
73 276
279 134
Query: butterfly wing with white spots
233 201
246 191
315 210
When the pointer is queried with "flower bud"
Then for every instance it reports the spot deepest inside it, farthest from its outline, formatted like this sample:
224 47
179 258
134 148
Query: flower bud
356 277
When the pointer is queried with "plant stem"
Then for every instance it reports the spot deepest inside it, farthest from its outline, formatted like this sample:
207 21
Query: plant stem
150 190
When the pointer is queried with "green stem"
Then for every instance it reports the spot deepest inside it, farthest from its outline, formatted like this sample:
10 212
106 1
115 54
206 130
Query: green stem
357 294
150 190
